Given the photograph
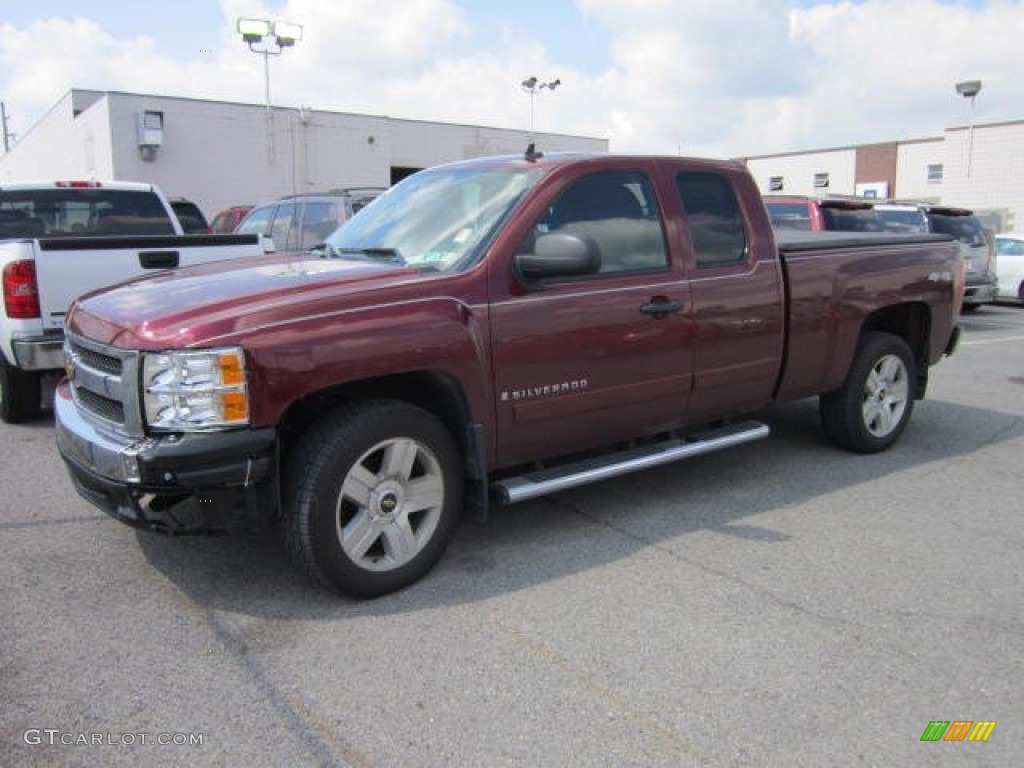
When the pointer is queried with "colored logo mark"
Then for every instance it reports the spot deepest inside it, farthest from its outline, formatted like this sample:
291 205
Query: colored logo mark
958 730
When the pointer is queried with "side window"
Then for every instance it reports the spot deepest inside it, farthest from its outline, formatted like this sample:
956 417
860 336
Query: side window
618 210
282 231
713 219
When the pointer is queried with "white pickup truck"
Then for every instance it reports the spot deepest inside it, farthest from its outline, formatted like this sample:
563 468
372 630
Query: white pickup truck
61 239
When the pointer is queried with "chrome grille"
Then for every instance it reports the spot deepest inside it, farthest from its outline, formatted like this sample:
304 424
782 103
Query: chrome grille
104 383
97 360
104 407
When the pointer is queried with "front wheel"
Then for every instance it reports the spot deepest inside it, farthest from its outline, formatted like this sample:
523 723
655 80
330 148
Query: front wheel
870 410
372 494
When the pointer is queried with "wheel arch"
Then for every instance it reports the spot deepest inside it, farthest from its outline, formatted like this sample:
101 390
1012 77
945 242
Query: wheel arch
912 322
436 392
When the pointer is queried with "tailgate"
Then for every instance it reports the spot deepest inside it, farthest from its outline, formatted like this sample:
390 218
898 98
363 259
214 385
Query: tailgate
69 267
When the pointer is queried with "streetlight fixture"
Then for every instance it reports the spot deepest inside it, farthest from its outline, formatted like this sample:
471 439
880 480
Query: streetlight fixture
969 89
531 85
268 38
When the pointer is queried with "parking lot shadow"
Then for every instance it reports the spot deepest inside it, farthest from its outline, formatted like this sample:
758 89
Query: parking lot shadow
585 528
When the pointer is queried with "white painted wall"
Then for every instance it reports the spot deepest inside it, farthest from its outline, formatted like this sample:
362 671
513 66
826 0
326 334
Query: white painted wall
218 154
798 170
912 161
996 180
46 151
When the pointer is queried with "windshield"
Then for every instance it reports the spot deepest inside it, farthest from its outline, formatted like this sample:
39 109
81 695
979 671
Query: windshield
440 219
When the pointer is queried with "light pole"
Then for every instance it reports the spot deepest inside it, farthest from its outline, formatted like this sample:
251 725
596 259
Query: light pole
969 89
531 85
268 38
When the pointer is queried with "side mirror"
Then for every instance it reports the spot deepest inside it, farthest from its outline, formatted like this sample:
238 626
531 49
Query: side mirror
268 243
559 254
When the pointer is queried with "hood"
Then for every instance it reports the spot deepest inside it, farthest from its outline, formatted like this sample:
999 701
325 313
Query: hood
198 305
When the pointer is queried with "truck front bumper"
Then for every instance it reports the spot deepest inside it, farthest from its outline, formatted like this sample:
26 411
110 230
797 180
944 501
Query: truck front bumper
199 482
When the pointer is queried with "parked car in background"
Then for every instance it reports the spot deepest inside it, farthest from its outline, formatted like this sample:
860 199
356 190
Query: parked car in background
978 248
298 222
60 239
794 212
228 220
1010 249
190 215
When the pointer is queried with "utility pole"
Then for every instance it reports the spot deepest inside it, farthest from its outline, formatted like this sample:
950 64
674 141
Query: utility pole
8 136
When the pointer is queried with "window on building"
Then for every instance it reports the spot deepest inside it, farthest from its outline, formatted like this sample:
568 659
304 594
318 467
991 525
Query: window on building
776 184
934 172
820 180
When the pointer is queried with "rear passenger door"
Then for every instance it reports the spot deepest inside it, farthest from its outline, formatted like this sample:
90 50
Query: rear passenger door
737 294
584 361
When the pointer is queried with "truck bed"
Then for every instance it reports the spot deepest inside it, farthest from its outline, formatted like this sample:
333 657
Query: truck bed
835 281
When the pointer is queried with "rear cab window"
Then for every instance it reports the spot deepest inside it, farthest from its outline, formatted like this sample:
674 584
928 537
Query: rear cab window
77 212
851 217
967 229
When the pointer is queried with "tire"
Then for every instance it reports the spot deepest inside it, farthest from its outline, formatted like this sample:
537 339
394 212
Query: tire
969 309
351 520
20 395
871 409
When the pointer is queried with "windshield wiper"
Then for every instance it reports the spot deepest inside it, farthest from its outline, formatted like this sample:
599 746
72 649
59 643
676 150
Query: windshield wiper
382 254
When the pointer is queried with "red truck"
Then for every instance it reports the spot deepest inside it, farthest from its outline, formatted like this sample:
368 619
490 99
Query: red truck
496 329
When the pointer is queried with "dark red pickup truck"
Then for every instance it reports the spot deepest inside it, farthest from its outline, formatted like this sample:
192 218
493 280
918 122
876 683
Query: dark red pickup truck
500 328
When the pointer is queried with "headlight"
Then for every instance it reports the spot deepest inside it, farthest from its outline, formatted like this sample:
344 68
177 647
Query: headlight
187 390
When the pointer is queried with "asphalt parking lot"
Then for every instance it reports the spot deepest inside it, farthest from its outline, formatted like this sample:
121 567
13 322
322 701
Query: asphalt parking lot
780 604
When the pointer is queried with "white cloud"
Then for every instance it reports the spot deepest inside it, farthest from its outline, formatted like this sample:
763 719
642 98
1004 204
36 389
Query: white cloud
714 77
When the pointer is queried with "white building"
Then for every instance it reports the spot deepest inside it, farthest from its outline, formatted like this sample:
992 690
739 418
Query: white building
980 168
222 154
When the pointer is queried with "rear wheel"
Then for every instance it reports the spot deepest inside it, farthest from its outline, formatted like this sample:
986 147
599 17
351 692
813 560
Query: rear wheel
372 495
20 396
870 411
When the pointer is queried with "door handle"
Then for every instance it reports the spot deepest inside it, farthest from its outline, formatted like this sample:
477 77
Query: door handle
158 259
660 306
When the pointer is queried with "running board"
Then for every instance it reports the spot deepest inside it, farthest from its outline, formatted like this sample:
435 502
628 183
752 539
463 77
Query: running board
544 481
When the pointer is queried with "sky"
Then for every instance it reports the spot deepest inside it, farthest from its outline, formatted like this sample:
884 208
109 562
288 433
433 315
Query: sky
710 78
